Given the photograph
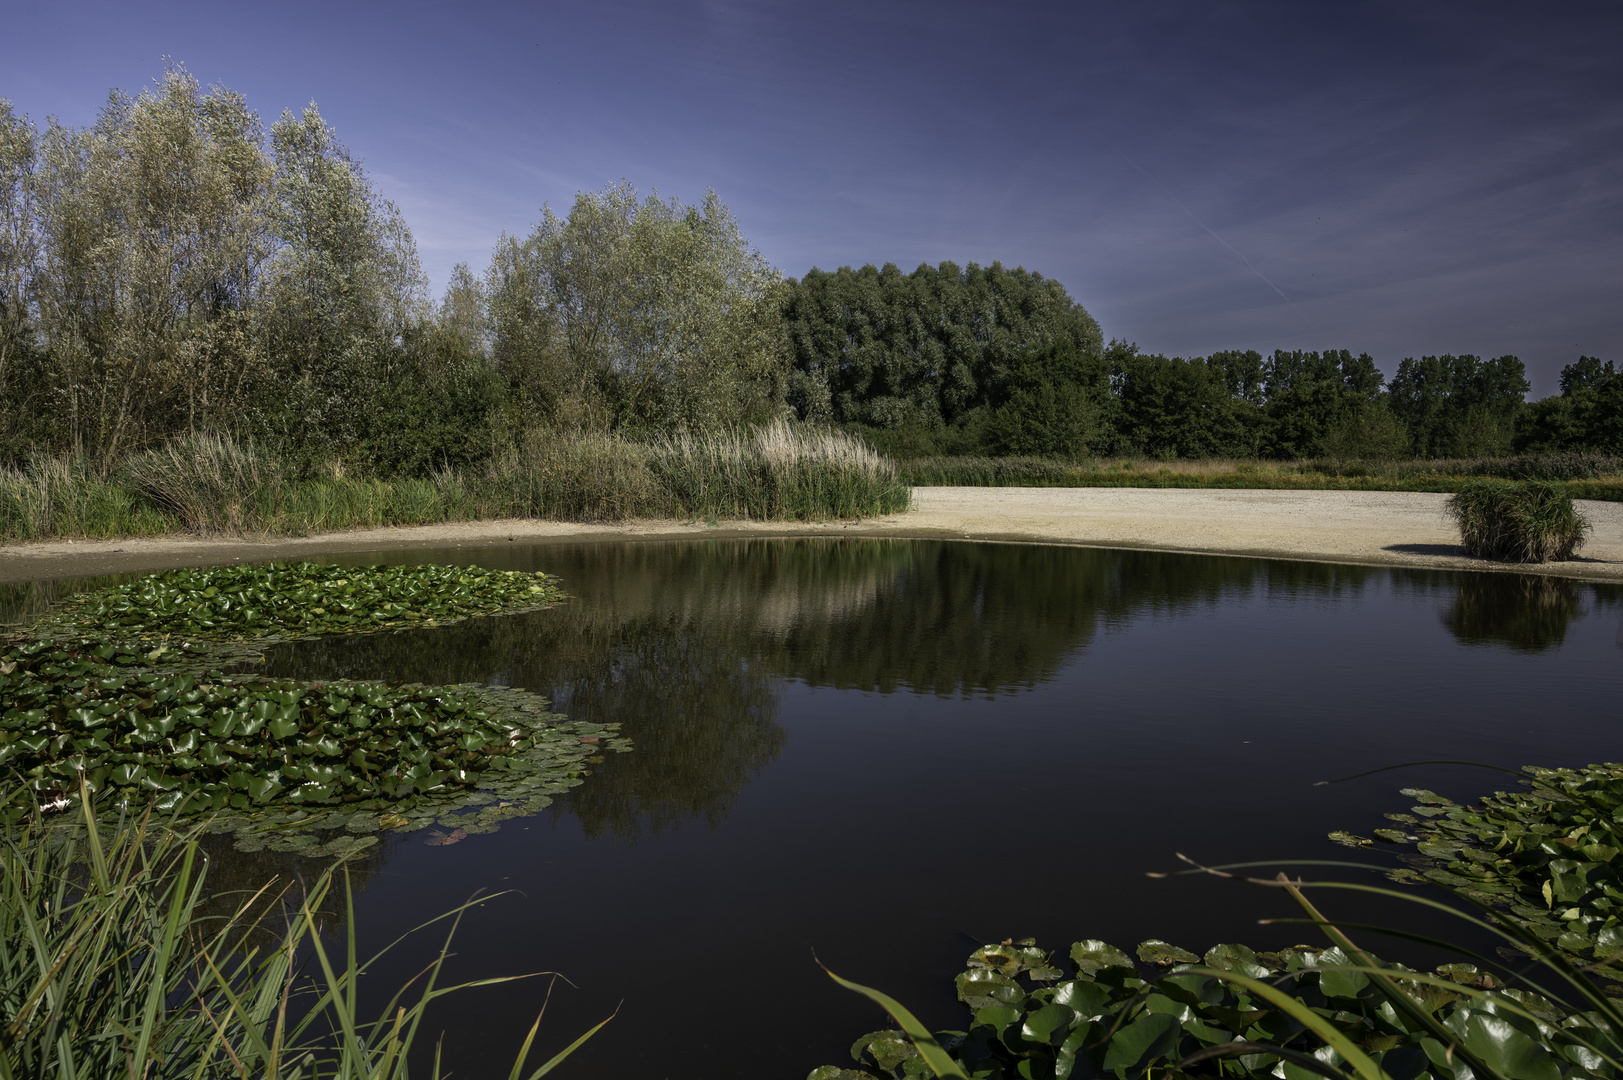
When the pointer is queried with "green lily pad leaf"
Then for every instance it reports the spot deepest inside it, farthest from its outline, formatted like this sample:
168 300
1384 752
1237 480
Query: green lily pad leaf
1093 956
1161 953
1048 1025
1347 839
885 1049
981 988
1507 1049
1429 798
1014 960
1231 958
1151 1035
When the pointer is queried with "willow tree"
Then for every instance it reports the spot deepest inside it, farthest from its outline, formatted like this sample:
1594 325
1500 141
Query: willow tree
342 288
639 314
24 406
151 240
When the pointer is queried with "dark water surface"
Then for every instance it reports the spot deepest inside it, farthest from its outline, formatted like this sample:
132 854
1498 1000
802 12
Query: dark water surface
892 751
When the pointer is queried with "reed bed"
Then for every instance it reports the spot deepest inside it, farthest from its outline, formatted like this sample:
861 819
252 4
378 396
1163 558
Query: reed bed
116 960
212 485
1531 522
778 471
55 497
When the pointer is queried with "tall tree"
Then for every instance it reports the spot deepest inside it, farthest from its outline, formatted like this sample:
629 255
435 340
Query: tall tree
1308 395
152 236
1459 406
1169 407
1586 416
649 314
24 401
939 346
343 289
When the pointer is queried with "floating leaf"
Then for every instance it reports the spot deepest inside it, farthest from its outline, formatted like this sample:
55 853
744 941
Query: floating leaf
1160 952
1093 956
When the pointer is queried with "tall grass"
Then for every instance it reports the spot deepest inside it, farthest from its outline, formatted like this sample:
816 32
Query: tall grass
1532 522
110 967
211 485
778 471
54 497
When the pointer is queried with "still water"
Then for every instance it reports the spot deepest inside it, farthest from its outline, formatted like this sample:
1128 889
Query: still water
890 752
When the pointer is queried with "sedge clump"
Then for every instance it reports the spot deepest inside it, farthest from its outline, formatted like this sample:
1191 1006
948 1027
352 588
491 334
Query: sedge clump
1528 522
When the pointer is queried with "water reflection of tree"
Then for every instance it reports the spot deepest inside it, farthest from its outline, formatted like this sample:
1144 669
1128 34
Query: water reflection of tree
701 715
684 644
1526 612
21 601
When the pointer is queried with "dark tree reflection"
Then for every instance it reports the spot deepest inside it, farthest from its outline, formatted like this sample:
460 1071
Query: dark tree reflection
686 644
1525 612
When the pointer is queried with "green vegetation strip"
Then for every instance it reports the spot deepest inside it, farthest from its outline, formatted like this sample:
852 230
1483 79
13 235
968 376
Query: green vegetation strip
293 600
1578 476
1541 865
268 752
1111 1016
142 713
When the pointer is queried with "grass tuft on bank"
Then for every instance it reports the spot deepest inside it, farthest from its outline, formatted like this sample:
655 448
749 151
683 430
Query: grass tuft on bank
1517 522
214 485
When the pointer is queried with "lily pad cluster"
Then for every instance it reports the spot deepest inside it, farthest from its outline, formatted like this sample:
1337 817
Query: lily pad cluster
191 744
279 601
143 713
1547 855
1168 1014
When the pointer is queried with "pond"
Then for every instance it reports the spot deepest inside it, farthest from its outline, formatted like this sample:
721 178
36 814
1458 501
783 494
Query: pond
890 752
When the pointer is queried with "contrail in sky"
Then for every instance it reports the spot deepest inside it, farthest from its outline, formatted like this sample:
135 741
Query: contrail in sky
1180 203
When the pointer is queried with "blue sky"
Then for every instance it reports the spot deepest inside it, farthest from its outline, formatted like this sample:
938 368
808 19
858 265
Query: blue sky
1395 178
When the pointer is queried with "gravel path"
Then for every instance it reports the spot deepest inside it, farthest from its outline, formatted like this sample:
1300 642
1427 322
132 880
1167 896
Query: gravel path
1370 527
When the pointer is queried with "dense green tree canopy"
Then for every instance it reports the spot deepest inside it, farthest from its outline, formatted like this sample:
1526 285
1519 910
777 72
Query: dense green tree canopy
879 347
1459 406
1586 415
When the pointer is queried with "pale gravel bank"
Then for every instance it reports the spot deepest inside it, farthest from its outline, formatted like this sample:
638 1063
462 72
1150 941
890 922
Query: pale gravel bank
1368 527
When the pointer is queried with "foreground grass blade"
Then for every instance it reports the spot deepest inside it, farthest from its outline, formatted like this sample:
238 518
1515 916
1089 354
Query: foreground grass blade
1332 1037
939 1060
552 1062
1392 991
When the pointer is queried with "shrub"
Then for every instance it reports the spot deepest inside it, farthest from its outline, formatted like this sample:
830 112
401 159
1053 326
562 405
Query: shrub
1517 522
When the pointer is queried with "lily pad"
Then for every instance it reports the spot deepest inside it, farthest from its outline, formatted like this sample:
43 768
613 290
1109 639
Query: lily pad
137 717
1159 952
1093 956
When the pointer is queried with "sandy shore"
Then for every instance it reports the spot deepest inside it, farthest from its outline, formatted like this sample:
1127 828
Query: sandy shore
1368 527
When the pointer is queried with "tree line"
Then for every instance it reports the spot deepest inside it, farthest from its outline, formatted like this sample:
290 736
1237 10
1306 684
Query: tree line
179 266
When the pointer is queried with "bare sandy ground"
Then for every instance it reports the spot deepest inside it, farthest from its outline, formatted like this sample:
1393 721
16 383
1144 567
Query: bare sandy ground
1372 528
